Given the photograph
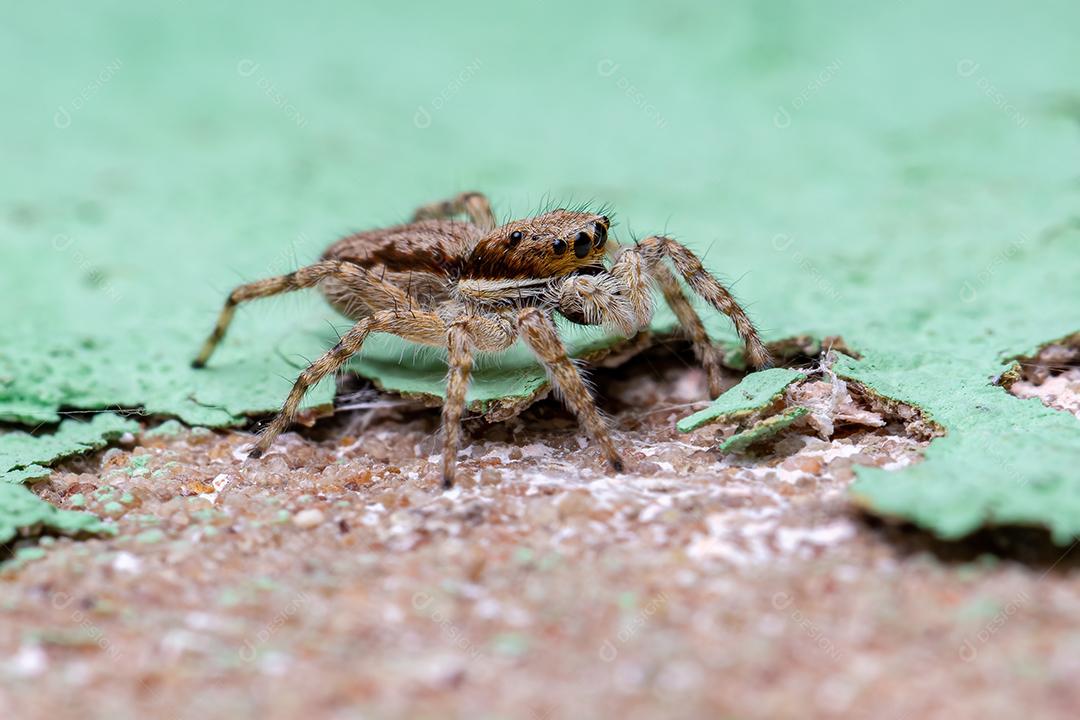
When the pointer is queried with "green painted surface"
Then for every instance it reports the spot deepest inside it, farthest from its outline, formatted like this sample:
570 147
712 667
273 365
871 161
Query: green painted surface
755 392
762 430
22 453
23 457
21 509
902 174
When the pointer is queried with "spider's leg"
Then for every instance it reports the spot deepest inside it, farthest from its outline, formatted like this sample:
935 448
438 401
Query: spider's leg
654 249
459 359
305 277
473 204
467 333
708 354
415 325
542 338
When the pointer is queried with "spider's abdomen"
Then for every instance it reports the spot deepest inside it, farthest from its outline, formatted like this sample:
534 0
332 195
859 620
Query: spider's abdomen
419 259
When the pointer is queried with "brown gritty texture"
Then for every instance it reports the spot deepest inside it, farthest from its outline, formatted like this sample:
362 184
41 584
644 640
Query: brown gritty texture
1052 375
334 579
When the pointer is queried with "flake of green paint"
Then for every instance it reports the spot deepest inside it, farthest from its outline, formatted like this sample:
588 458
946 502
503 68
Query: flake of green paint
230 597
77 500
23 454
137 465
510 644
169 428
266 583
149 537
127 498
20 508
112 508
756 392
762 430
26 474
829 211
29 553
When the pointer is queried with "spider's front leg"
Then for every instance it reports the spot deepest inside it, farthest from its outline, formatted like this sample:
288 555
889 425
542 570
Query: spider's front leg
542 338
410 324
652 251
473 204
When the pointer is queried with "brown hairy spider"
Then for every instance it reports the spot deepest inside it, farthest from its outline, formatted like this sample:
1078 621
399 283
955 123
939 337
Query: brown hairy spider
472 286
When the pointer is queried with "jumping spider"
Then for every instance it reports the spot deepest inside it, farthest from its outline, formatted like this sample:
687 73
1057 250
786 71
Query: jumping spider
474 286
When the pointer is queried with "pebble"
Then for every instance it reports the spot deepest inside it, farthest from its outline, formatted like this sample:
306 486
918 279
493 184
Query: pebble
308 518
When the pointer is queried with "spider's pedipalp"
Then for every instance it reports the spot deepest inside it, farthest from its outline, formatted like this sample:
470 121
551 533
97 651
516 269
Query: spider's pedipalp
598 299
630 269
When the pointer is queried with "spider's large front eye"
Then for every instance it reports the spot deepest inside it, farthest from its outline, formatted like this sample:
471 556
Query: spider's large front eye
582 244
559 246
515 238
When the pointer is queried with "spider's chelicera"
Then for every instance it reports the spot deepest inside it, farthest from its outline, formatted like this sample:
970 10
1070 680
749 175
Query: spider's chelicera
474 286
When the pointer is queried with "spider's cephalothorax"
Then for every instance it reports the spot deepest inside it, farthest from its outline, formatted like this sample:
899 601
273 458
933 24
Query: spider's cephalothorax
472 286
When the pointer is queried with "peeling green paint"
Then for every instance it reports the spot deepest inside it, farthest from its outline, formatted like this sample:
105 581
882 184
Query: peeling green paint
762 430
21 509
22 454
924 206
754 393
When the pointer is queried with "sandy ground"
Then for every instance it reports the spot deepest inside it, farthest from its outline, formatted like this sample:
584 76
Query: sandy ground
334 579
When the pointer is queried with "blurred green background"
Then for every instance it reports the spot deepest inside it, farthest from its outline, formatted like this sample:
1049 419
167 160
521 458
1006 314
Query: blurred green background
902 174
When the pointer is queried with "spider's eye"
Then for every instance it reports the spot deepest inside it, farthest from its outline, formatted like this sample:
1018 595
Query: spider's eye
601 235
582 244
559 246
515 238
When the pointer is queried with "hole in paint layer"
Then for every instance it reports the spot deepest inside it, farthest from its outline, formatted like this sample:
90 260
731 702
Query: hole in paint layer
1052 375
